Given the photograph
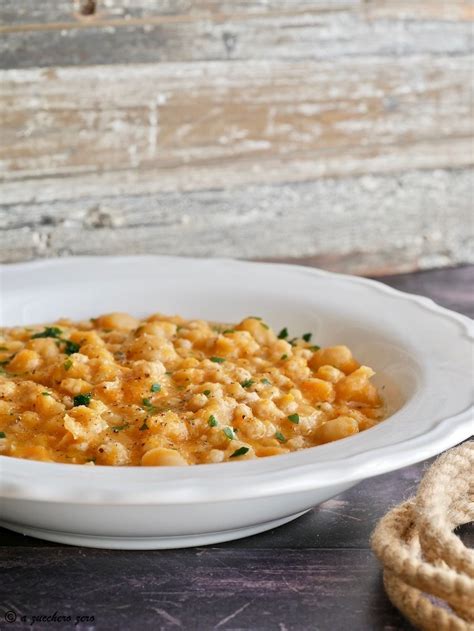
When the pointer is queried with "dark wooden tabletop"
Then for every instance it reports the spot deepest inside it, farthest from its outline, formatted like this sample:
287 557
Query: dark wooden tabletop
316 573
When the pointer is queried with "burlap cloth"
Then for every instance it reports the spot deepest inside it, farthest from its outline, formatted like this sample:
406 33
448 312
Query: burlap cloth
428 573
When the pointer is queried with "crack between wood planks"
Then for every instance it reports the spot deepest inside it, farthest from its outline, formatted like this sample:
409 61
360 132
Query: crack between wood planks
89 22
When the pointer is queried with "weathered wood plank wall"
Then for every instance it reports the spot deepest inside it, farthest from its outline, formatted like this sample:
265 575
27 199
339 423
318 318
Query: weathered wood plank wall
338 129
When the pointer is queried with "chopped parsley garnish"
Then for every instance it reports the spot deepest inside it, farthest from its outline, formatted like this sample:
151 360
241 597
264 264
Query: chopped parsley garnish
307 337
3 435
284 356
217 360
241 451
247 383
212 421
119 428
228 331
265 326
50 331
47 394
293 341
294 418
266 381
148 405
143 427
229 433
67 364
279 436
315 347
283 334
207 392
70 347
156 387
53 331
82 399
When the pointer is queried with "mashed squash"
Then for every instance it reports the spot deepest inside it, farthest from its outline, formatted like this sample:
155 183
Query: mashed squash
115 390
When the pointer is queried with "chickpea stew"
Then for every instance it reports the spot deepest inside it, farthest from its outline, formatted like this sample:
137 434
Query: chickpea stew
115 390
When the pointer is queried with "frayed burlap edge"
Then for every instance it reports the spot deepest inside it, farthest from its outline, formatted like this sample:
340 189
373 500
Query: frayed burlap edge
423 559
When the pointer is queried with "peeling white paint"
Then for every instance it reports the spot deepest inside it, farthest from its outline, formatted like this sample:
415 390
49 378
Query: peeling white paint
236 156
357 224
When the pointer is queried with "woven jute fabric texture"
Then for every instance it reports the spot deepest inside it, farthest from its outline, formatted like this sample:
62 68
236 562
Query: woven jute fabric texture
428 572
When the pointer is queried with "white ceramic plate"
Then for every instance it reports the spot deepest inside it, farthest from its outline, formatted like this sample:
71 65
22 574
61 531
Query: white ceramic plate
422 354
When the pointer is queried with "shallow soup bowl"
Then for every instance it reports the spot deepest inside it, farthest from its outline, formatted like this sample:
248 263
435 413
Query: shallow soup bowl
422 355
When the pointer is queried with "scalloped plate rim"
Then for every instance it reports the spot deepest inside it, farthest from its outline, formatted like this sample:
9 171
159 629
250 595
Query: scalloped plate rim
355 467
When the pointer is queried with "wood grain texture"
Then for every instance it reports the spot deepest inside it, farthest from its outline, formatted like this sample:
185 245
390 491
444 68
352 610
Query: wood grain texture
314 573
322 118
200 589
311 30
450 288
340 130
369 224
29 14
